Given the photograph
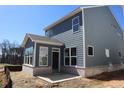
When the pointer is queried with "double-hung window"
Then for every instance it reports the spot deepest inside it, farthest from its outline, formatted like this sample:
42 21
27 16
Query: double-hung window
73 56
67 56
28 55
75 24
70 56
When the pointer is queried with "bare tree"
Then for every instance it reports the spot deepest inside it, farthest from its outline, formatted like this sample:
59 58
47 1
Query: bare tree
10 51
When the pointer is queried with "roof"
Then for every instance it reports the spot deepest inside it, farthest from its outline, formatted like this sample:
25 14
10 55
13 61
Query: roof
41 39
70 15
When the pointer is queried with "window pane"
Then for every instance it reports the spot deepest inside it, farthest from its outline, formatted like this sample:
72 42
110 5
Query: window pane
73 61
26 52
90 50
119 53
47 33
43 56
73 51
67 60
75 21
67 52
31 60
75 28
28 60
31 51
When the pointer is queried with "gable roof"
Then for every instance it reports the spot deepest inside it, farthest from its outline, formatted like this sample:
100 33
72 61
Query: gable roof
70 15
41 39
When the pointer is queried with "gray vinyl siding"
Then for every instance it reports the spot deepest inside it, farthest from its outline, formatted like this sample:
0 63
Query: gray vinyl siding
71 39
65 25
101 31
49 53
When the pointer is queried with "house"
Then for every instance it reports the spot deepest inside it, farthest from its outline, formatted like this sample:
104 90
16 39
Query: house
86 42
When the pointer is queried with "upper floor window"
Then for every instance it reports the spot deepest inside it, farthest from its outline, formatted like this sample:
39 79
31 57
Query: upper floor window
49 33
75 24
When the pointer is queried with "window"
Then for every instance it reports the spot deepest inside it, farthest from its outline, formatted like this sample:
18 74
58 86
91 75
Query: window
28 55
49 33
67 58
119 54
70 56
75 24
90 51
73 56
107 53
43 56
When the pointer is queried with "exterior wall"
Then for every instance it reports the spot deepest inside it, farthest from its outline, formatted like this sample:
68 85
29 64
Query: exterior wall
63 32
91 71
49 53
28 69
42 70
71 39
64 26
73 70
37 70
102 32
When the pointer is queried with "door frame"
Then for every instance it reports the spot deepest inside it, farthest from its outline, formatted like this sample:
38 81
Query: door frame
58 59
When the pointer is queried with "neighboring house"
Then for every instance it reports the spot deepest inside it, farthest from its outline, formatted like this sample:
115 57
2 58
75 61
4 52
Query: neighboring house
86 42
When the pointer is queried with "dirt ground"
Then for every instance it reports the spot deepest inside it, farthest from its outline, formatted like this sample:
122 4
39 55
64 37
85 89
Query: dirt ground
26 80
105 80
2 76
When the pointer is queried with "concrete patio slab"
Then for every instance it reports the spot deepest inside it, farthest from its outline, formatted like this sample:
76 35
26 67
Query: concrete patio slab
58 77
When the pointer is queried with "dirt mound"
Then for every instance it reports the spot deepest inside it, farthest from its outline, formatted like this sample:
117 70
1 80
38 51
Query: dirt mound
106 76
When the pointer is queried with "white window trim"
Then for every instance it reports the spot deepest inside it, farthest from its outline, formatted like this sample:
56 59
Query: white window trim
28 64
29 59
39 56
70 57
75 24
87 50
